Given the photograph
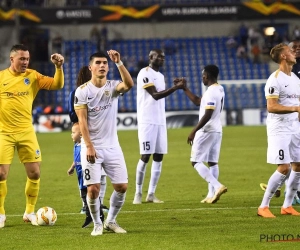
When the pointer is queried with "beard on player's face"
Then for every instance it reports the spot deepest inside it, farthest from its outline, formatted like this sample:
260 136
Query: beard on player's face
157 63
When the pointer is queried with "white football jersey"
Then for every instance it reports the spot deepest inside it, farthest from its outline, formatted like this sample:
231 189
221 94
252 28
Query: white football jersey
286 89
150 111
213 98
102 108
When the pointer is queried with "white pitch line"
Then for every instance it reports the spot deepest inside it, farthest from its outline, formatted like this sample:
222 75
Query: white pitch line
163 210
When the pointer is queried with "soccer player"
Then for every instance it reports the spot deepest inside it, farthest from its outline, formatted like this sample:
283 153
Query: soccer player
206 136
18 88
295 46
282 92
152 129
96 106
84 75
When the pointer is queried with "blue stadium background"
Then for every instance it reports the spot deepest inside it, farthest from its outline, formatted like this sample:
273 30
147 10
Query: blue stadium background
186 62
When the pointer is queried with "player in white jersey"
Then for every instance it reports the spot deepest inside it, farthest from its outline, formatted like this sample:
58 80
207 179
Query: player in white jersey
206 136
96 105
282 92
152 130
295 46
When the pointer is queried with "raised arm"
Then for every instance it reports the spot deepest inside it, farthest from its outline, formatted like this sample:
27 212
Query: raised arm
164 93
127 82
58 60
161 94
195 99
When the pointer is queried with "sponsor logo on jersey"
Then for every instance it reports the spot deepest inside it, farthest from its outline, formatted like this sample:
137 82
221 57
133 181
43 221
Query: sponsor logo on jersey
26 81
293 96
210 103
16 93
100 108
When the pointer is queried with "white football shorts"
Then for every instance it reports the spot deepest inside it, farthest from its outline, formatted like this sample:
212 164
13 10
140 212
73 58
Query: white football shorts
206 147
283 149
153 139
111 160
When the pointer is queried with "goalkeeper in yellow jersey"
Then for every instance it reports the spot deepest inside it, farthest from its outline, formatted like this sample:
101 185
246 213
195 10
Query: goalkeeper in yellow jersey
18 89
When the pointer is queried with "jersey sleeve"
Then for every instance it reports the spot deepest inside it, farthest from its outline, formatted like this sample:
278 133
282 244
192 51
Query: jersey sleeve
146 78
272 88
80 100
72 113
44 82
116 83
210 101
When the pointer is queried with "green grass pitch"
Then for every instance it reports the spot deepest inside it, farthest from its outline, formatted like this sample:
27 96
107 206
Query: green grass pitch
182 222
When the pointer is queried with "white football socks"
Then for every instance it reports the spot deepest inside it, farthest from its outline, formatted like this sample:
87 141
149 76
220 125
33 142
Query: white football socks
116 202
204 172
140 175
214 170
291 188
273 184
94 207
155 174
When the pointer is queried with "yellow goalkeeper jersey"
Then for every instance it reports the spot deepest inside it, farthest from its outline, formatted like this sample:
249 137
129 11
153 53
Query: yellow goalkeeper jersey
17 93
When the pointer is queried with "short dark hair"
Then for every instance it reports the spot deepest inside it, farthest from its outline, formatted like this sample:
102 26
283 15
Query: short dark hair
18 47
98 54
212 70
155 51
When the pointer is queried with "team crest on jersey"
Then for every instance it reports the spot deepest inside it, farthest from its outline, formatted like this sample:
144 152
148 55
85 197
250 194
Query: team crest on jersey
26 81
37 154
145 80
107 93
271 90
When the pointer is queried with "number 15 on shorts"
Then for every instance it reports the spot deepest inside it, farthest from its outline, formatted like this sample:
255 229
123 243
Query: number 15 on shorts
146 145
